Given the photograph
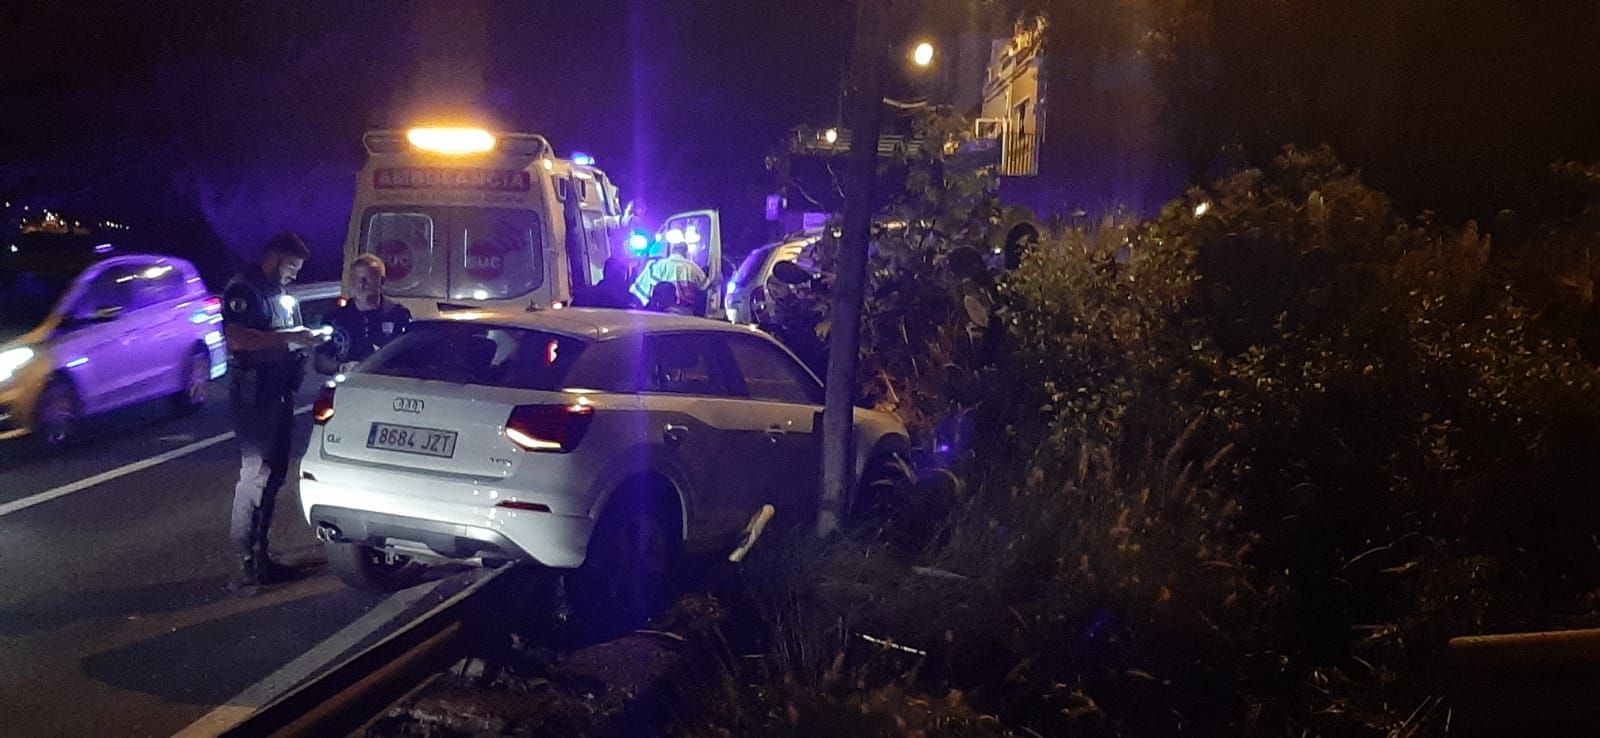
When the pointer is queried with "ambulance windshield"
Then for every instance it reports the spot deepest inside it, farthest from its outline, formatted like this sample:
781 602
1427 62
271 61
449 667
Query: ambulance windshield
456 253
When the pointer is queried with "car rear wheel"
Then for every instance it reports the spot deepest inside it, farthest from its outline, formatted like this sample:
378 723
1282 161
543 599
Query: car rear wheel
56 415
193 376
886 478
626 576
367 568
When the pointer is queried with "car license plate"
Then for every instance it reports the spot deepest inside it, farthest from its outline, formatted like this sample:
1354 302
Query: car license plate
426 441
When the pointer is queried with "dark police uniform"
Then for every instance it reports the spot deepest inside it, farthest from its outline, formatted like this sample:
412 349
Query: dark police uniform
359 333
261 395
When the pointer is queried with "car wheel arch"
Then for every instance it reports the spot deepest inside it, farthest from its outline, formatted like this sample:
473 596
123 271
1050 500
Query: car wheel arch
884 444
654 482
64 376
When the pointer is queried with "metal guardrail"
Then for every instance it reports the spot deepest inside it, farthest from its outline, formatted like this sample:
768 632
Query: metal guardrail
1526 683
348 695
351 695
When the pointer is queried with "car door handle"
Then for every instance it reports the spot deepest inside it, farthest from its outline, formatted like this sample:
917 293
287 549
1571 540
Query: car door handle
774 433
674 433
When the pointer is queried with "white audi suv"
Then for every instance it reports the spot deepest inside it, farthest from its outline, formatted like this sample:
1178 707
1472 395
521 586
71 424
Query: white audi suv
602 441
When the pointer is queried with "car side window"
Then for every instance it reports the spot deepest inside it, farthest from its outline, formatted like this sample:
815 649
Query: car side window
681 363
155 284
609 366
768 373
172 286
109 288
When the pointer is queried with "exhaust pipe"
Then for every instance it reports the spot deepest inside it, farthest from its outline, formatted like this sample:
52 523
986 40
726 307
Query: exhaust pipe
329 533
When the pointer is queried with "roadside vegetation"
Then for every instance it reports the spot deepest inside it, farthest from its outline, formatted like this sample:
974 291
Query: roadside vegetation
1240 468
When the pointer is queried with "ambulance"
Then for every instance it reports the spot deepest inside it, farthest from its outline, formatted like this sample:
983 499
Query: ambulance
466 218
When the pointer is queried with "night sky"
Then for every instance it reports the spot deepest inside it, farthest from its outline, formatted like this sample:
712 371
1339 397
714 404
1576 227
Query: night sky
215 124
138 110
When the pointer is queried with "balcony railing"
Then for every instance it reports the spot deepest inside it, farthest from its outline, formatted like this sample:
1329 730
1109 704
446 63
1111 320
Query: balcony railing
1019 156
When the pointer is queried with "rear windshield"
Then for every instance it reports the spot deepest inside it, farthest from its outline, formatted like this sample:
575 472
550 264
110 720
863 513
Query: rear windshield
473 353
752 265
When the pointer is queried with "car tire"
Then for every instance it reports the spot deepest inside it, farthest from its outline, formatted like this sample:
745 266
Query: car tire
626 577
194 376
371 570
56 415
886 478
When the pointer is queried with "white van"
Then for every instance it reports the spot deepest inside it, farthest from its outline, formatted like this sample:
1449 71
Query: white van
466 218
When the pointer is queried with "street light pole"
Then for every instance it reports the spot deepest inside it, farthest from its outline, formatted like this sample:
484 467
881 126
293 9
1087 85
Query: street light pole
844 337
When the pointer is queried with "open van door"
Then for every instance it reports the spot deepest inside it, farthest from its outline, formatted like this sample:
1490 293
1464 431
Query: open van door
702 231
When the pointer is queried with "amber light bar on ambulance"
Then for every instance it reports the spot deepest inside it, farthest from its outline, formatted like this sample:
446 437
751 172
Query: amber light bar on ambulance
511 144
451 140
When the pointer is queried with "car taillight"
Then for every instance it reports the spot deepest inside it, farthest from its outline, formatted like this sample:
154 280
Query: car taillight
548 427
322 409
210 311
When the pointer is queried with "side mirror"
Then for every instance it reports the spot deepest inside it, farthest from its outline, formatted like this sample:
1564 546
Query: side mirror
790 273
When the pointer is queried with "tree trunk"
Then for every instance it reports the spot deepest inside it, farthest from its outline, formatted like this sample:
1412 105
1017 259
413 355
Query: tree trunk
844 338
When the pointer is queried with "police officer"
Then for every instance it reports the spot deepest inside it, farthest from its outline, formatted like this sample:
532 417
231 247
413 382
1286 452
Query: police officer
267 345
366 323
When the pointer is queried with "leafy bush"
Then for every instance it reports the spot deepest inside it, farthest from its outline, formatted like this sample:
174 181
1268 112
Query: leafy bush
1243 467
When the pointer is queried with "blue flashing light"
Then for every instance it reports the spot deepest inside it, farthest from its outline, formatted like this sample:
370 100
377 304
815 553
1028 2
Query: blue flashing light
582 159
638 242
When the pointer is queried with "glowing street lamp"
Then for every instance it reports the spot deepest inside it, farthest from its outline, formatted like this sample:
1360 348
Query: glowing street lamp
922 55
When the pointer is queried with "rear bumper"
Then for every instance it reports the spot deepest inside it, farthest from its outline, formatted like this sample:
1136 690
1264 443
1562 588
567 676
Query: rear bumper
456 530
445 539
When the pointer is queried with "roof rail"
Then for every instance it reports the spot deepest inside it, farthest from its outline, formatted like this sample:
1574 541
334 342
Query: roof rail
393 141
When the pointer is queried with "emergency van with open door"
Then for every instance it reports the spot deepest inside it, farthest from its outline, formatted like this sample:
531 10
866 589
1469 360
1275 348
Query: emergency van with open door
701 232
464 218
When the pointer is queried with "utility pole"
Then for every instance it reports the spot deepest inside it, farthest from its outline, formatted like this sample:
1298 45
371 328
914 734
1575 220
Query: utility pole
844 338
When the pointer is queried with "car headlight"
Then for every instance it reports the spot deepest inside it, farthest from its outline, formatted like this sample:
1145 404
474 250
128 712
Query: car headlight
13 359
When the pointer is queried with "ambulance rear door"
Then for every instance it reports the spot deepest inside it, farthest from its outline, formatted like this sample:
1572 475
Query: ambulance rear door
702 231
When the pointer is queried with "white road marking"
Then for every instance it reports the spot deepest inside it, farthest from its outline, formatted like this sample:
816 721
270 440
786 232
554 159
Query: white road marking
242 705
121 471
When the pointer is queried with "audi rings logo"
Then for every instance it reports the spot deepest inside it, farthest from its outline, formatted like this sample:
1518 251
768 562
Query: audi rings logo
407 405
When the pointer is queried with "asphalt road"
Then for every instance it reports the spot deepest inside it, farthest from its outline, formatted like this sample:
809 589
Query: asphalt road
113 615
